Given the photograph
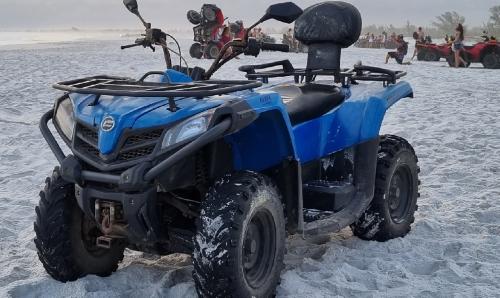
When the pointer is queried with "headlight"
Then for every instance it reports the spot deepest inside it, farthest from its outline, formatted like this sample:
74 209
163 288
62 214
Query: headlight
65 119
188 129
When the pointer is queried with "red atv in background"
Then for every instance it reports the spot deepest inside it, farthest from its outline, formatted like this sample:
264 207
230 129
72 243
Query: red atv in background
486 52
433 52
208 23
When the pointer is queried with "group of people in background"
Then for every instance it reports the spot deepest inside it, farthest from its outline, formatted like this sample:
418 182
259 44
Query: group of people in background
456 41
370 40
257 33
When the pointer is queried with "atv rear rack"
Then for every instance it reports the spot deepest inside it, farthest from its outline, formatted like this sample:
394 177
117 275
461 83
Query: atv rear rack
357 73
122 86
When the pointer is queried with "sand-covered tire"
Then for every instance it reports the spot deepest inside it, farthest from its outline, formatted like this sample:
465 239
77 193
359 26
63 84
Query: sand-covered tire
451 61
431 56
196 50
438 56
212 50
421 55
491 61
209 12
394 203
194 17
65 238
240 240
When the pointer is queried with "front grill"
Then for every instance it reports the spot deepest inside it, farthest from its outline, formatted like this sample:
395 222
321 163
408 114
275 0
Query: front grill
124 156
144 137
87 133
89 149
130 146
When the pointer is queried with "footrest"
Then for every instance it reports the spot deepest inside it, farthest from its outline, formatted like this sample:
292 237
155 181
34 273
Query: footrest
327 195
311 215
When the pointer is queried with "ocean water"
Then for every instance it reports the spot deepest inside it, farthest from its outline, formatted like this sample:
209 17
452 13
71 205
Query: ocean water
8 38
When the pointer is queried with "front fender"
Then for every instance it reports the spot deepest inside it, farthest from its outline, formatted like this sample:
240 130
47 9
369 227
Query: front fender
266 141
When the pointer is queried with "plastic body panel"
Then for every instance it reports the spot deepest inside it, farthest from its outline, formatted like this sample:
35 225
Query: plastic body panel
271 138
138 112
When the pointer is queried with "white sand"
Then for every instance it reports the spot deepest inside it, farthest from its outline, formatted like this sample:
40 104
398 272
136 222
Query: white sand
453 249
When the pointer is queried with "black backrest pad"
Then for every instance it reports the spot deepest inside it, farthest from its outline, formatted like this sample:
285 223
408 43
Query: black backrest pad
327 27
334 22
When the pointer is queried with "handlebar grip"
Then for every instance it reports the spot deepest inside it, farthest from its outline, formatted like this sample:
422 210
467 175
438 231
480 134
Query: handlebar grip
275 47
129 46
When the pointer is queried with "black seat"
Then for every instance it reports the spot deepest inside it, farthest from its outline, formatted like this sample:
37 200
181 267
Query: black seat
309 101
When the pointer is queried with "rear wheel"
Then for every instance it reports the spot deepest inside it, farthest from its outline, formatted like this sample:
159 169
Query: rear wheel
212 50
491 61
240 240
392 209
66 238
421 56
196 50
194 17
431 56
451 60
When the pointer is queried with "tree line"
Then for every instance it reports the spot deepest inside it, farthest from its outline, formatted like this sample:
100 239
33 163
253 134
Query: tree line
444 24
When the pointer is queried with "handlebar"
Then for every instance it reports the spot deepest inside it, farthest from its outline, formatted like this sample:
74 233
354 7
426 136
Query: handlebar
153 37
130 46
275 47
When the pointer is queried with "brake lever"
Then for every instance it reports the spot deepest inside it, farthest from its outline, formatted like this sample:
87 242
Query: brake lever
152 48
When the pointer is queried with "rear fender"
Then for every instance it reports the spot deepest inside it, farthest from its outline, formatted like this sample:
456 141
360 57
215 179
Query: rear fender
357 120
375 110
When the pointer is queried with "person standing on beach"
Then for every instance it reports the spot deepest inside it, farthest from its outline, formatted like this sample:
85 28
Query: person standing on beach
458 46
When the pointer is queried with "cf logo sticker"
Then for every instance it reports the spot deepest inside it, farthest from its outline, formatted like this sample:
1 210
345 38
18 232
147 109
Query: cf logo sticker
108 123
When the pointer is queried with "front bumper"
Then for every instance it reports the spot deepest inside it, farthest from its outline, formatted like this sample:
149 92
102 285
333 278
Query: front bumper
138 210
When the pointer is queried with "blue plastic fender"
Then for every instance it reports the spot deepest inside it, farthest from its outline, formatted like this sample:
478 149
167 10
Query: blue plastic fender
271 138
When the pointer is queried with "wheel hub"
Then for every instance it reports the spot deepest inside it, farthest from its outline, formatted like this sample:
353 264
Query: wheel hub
250 246
259 248
400 194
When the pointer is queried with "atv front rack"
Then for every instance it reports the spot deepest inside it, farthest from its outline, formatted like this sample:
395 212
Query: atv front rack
345 76
121 86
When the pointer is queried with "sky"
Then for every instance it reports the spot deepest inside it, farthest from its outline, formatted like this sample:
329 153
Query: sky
61 14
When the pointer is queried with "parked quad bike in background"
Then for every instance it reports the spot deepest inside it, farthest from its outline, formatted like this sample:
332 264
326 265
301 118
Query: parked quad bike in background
433 52
208 23
225 169
487 53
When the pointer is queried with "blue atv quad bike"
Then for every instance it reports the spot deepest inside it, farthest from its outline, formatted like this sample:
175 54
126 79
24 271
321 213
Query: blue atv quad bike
225 169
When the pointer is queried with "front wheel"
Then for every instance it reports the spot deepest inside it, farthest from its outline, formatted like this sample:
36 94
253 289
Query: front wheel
451 60
66 238
212 50
421 56
196 50
432 56
240 240
394 203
